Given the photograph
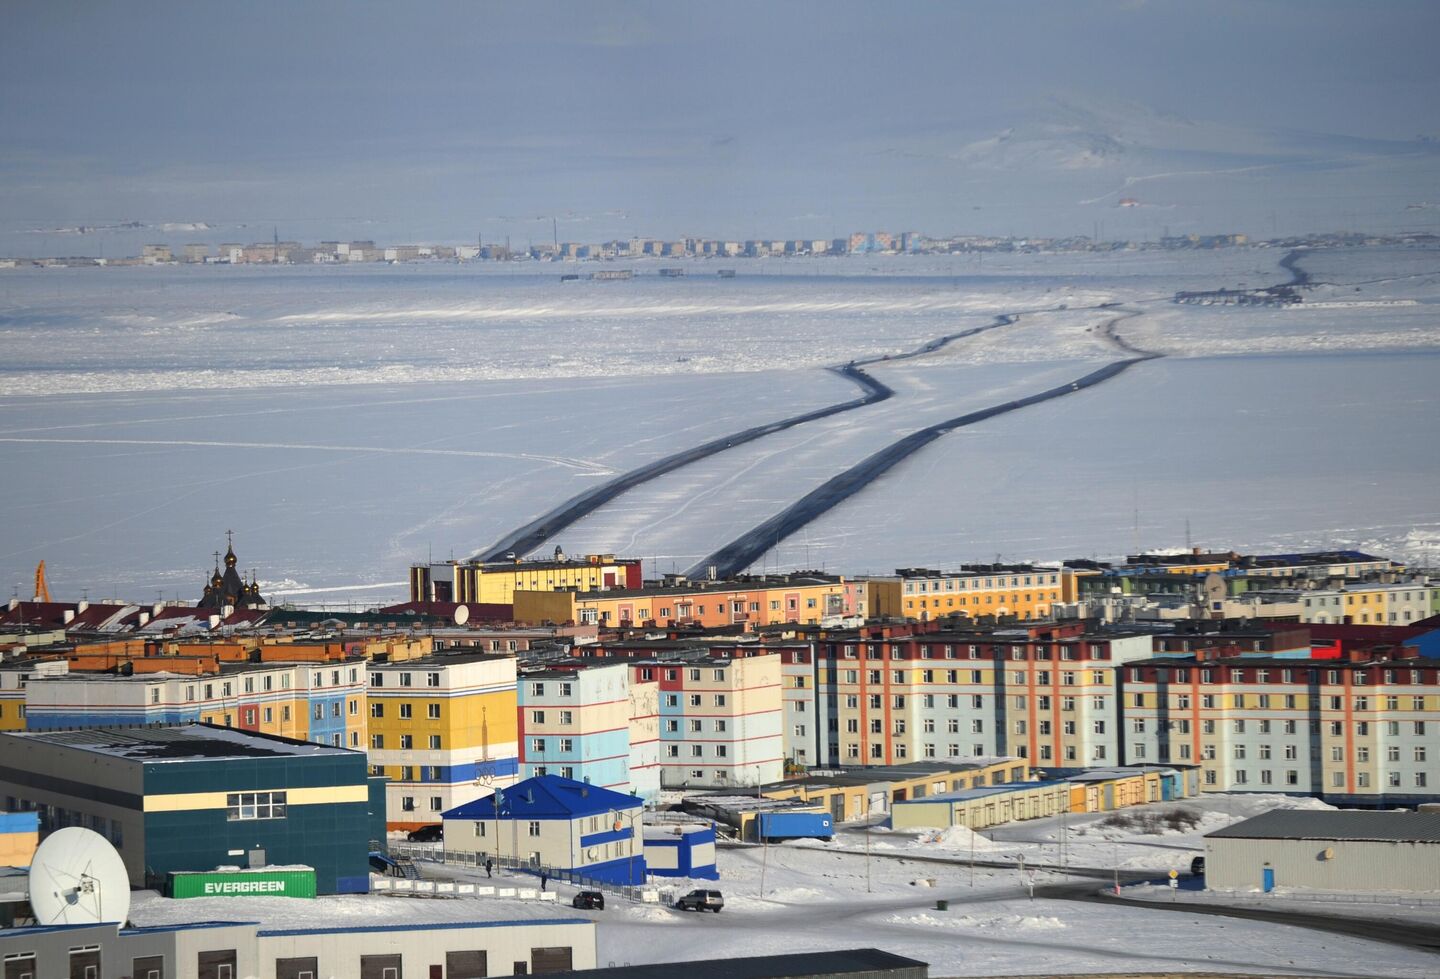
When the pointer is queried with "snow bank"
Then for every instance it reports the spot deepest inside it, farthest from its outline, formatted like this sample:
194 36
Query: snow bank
963 838
999 922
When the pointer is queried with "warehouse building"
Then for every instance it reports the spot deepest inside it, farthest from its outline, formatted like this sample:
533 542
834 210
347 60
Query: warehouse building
1326 850
217 950
555 825
198 797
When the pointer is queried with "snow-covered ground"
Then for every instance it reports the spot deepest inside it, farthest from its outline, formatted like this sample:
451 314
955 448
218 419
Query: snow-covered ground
1155 838
346 422
797 898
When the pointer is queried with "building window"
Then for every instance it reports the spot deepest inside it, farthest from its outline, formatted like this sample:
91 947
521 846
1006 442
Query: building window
254 805
405 712
434 742
377 741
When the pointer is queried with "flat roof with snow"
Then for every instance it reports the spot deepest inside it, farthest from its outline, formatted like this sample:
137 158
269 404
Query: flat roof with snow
1311 824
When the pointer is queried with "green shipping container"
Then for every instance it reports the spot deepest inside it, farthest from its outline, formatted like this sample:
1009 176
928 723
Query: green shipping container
244 883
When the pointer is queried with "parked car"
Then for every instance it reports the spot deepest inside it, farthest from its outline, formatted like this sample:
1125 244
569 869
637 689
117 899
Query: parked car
701 901
1197 867
589 900
434 833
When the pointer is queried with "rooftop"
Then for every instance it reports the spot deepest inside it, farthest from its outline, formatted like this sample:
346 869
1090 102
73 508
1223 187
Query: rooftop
857 961
546 797
1309 824
180 743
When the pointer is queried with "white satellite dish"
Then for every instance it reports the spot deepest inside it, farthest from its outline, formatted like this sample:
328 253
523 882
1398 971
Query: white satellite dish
77 877
462 614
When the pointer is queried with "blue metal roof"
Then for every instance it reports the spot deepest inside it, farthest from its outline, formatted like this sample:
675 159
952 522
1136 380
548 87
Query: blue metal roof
547 797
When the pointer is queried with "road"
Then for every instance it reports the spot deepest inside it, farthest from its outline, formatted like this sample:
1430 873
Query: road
1411 934
746 549
527 538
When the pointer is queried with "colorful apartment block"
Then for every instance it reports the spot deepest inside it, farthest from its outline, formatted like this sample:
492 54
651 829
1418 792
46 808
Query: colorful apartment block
1020 591
443 730
719 720
1371 604
323 703
1044 693
748 603
495 582
575 723
1353 733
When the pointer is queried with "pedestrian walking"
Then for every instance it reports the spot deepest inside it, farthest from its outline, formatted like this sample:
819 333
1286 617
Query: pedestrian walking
488 865
543 881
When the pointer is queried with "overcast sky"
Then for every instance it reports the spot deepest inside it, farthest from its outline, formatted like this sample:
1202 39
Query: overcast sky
667 118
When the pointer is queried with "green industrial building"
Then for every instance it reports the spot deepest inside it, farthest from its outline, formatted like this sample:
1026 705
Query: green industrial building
197 797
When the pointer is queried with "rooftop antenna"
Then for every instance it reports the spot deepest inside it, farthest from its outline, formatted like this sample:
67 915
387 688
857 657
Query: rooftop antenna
555 231
276 257
1187 533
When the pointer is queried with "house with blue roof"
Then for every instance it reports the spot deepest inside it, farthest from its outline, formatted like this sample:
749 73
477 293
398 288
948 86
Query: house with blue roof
555 824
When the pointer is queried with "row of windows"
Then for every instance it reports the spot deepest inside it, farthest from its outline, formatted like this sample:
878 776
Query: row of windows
1237 674
255 805
404 711
1042 651
1068 678
377 679
407 742
1393 780
1015 581
989 600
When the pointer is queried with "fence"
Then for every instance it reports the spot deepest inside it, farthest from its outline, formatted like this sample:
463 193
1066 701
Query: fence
1390 899
436 853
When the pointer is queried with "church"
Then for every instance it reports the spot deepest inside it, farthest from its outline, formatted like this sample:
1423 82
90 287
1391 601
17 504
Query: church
230 589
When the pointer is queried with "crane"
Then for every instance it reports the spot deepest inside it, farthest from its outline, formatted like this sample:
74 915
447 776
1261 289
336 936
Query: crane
42 589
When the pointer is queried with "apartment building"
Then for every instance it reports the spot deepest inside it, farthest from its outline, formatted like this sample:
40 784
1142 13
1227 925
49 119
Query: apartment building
1043 693
1371 603
443 729
323 703
495 582
1022 591
746 603
1359 733
575 723
719 720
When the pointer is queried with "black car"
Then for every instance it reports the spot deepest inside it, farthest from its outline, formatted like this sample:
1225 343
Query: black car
701 901
434 833
1197 867
589 900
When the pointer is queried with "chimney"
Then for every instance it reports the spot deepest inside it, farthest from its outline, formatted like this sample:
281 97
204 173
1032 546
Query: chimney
144 618
67 616
82 606
214 621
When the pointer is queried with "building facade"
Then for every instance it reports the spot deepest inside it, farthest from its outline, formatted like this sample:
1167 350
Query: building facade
575 723
443 731
1021 591
719 720
1352 733
550 823
196 798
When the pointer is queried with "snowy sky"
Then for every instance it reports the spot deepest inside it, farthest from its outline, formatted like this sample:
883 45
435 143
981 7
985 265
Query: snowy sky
729 119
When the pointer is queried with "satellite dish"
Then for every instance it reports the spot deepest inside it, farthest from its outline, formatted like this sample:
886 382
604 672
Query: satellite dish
462 614
77 878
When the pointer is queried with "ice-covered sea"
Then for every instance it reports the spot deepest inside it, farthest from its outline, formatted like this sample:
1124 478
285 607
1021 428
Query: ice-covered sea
345 422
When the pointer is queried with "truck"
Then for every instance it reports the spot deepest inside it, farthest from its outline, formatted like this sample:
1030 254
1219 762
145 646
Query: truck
771 826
